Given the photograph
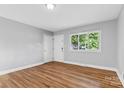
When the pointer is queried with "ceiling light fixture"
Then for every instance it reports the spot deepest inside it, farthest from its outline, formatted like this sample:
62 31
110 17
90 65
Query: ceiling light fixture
50 6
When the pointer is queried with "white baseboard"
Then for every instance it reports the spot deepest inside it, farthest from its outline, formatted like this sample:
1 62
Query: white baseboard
20 68
93 66
100 67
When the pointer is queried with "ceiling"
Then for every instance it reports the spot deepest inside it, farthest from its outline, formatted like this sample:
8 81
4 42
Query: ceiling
62 17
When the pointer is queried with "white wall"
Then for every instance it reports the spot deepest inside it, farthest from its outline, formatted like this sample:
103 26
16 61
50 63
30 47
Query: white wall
20 44
121 43
108 55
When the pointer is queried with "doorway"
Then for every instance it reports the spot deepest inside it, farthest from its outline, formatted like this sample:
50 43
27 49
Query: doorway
59 48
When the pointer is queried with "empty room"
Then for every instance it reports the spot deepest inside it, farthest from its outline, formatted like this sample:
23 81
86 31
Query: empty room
61 45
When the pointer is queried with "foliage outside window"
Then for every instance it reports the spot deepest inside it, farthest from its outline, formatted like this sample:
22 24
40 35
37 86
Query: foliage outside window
86 41
74 41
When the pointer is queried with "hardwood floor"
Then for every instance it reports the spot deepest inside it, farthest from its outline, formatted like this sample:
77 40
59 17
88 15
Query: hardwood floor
60 75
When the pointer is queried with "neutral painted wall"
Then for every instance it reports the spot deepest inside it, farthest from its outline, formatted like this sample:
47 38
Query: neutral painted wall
20 44
108 55
121 43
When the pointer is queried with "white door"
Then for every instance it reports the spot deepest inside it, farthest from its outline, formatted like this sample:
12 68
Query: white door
48 48
59 48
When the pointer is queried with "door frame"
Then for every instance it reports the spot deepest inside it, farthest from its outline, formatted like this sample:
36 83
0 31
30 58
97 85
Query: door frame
46 47
59 35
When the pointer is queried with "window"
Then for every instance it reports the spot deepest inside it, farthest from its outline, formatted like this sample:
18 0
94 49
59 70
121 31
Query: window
87 41
74 42
82 41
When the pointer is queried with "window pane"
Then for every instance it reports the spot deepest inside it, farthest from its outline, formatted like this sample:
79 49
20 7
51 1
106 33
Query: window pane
74 42
93 41
82 41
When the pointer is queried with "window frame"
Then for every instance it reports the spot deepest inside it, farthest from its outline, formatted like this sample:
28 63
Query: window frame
86 50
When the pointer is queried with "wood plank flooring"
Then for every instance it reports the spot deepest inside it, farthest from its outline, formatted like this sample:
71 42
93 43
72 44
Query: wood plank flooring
60 75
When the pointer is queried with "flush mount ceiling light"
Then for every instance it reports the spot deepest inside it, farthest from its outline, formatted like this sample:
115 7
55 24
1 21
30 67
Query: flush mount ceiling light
50 6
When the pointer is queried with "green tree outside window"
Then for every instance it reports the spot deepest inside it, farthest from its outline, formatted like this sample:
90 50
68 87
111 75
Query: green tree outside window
87 41
74 41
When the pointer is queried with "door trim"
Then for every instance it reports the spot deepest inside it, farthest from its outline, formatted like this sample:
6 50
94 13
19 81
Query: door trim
54 48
